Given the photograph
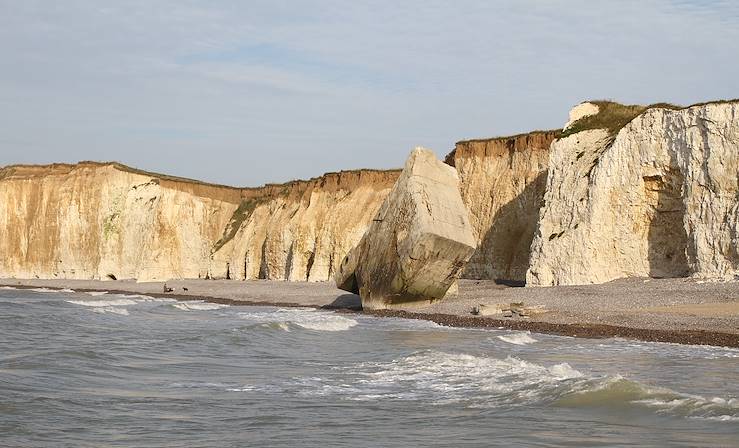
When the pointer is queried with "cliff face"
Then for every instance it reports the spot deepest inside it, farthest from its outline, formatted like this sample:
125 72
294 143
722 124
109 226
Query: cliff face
621 191
660 199
94 220
502 184
300 231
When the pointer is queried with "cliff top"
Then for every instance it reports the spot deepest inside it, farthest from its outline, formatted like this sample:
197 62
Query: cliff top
27 170
613 116
509 137
499 145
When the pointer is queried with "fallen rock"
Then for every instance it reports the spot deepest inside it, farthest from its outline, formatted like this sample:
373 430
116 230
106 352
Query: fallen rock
489 309
419 241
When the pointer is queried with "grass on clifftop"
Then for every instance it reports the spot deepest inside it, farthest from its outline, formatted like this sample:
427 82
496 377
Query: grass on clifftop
612 117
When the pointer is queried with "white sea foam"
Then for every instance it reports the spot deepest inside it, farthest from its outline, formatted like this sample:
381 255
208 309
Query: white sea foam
297 308
666 401
97 293
310 319
198 385
327 323
522 338
242 389
619 391
111 310
9 288
479 381
283 326
198 306
441 377
720 418
44 290
67 290
103 303
145 298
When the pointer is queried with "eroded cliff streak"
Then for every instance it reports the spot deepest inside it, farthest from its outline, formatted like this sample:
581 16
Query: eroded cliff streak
657 199
502 184
106 220
302 230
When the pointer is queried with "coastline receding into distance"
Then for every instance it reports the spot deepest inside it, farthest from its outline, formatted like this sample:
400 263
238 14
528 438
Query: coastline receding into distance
618 309
610 236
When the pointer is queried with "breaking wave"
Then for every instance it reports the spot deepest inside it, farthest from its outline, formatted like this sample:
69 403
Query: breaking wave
523 338
307 318
453 377
198 305
619 391
96 293
103 303
485 382
145 298
111 310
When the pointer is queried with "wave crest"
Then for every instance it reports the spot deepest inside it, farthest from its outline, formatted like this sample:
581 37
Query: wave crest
111 310
309 319
618 391
103 303
198 305
521 338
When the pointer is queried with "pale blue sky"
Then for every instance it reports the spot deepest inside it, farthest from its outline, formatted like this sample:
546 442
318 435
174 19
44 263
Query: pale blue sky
248 92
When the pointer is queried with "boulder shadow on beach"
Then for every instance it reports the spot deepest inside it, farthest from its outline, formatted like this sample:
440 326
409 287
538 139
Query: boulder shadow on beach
347 302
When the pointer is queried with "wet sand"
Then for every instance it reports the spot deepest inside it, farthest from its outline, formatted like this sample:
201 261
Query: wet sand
685 311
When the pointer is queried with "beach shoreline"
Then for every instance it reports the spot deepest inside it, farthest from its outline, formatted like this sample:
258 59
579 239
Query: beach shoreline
682 311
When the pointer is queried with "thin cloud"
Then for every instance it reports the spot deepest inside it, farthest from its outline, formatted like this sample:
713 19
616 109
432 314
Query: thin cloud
265 91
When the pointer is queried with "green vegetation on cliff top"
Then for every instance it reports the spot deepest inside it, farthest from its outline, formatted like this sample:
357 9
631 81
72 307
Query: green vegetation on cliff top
613 116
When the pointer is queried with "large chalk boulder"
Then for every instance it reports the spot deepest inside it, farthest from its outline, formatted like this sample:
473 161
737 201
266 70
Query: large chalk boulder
419 241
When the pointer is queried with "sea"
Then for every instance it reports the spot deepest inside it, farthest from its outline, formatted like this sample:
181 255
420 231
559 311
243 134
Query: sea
96 369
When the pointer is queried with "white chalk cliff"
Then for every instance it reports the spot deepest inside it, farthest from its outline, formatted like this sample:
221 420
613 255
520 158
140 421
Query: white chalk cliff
95 221
660 199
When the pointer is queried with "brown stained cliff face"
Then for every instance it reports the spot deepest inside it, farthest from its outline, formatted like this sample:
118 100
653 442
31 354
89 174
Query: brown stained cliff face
502 183
96 220
89 220
300 230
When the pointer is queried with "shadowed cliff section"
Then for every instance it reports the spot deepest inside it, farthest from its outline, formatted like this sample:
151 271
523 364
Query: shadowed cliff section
502 183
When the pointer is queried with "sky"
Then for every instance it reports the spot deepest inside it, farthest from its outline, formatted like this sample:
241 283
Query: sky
251 92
